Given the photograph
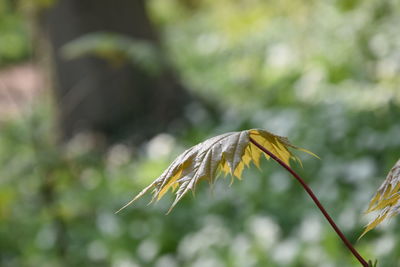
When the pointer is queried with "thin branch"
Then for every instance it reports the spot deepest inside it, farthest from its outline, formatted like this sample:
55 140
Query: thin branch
316 201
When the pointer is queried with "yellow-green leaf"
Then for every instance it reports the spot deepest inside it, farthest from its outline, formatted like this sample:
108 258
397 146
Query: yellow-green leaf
228 153
386 200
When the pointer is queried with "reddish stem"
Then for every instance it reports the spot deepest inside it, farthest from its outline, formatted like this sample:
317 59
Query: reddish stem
316 201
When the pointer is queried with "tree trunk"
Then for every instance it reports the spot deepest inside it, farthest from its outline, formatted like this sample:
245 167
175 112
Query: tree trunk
96 96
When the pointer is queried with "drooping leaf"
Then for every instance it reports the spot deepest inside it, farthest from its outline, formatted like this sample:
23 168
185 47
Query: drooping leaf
228 153
386 200
373 264
116 49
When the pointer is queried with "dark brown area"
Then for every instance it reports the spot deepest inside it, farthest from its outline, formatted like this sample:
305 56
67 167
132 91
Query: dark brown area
94 95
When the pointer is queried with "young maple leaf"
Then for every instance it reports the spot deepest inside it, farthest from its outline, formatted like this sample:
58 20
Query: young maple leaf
387 199
229 153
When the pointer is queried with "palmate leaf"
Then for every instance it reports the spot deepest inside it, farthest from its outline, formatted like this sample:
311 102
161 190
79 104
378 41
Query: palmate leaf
228 153
387 199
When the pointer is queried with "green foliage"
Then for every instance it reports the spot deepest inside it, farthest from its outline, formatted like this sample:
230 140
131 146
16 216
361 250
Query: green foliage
116 49
291 52
324 73
14 41
373 264
231 227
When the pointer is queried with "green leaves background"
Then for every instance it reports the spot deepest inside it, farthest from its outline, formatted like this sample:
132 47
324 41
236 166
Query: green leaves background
333 88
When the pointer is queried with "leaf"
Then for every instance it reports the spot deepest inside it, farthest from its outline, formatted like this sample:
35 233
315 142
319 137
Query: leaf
373 264
386 200
228 153
117 49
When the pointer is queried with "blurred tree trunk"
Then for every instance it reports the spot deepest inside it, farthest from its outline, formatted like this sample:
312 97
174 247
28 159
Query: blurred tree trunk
97 96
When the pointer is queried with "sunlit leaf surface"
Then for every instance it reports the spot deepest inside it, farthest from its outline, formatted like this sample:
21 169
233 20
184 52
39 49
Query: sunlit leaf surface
228 153
387 198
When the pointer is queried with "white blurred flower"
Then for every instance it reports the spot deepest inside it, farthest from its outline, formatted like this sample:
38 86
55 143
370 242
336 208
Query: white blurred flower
160 146
108 224
286 251
310 229
148 250
166 261
264 230
118 155
97 250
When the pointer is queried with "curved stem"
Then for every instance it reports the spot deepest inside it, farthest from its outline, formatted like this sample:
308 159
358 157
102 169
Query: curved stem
316 201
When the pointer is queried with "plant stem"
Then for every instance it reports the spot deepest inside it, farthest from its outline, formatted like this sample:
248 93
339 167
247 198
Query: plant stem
316 201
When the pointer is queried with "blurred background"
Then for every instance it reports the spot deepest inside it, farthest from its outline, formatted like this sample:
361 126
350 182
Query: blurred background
97 97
